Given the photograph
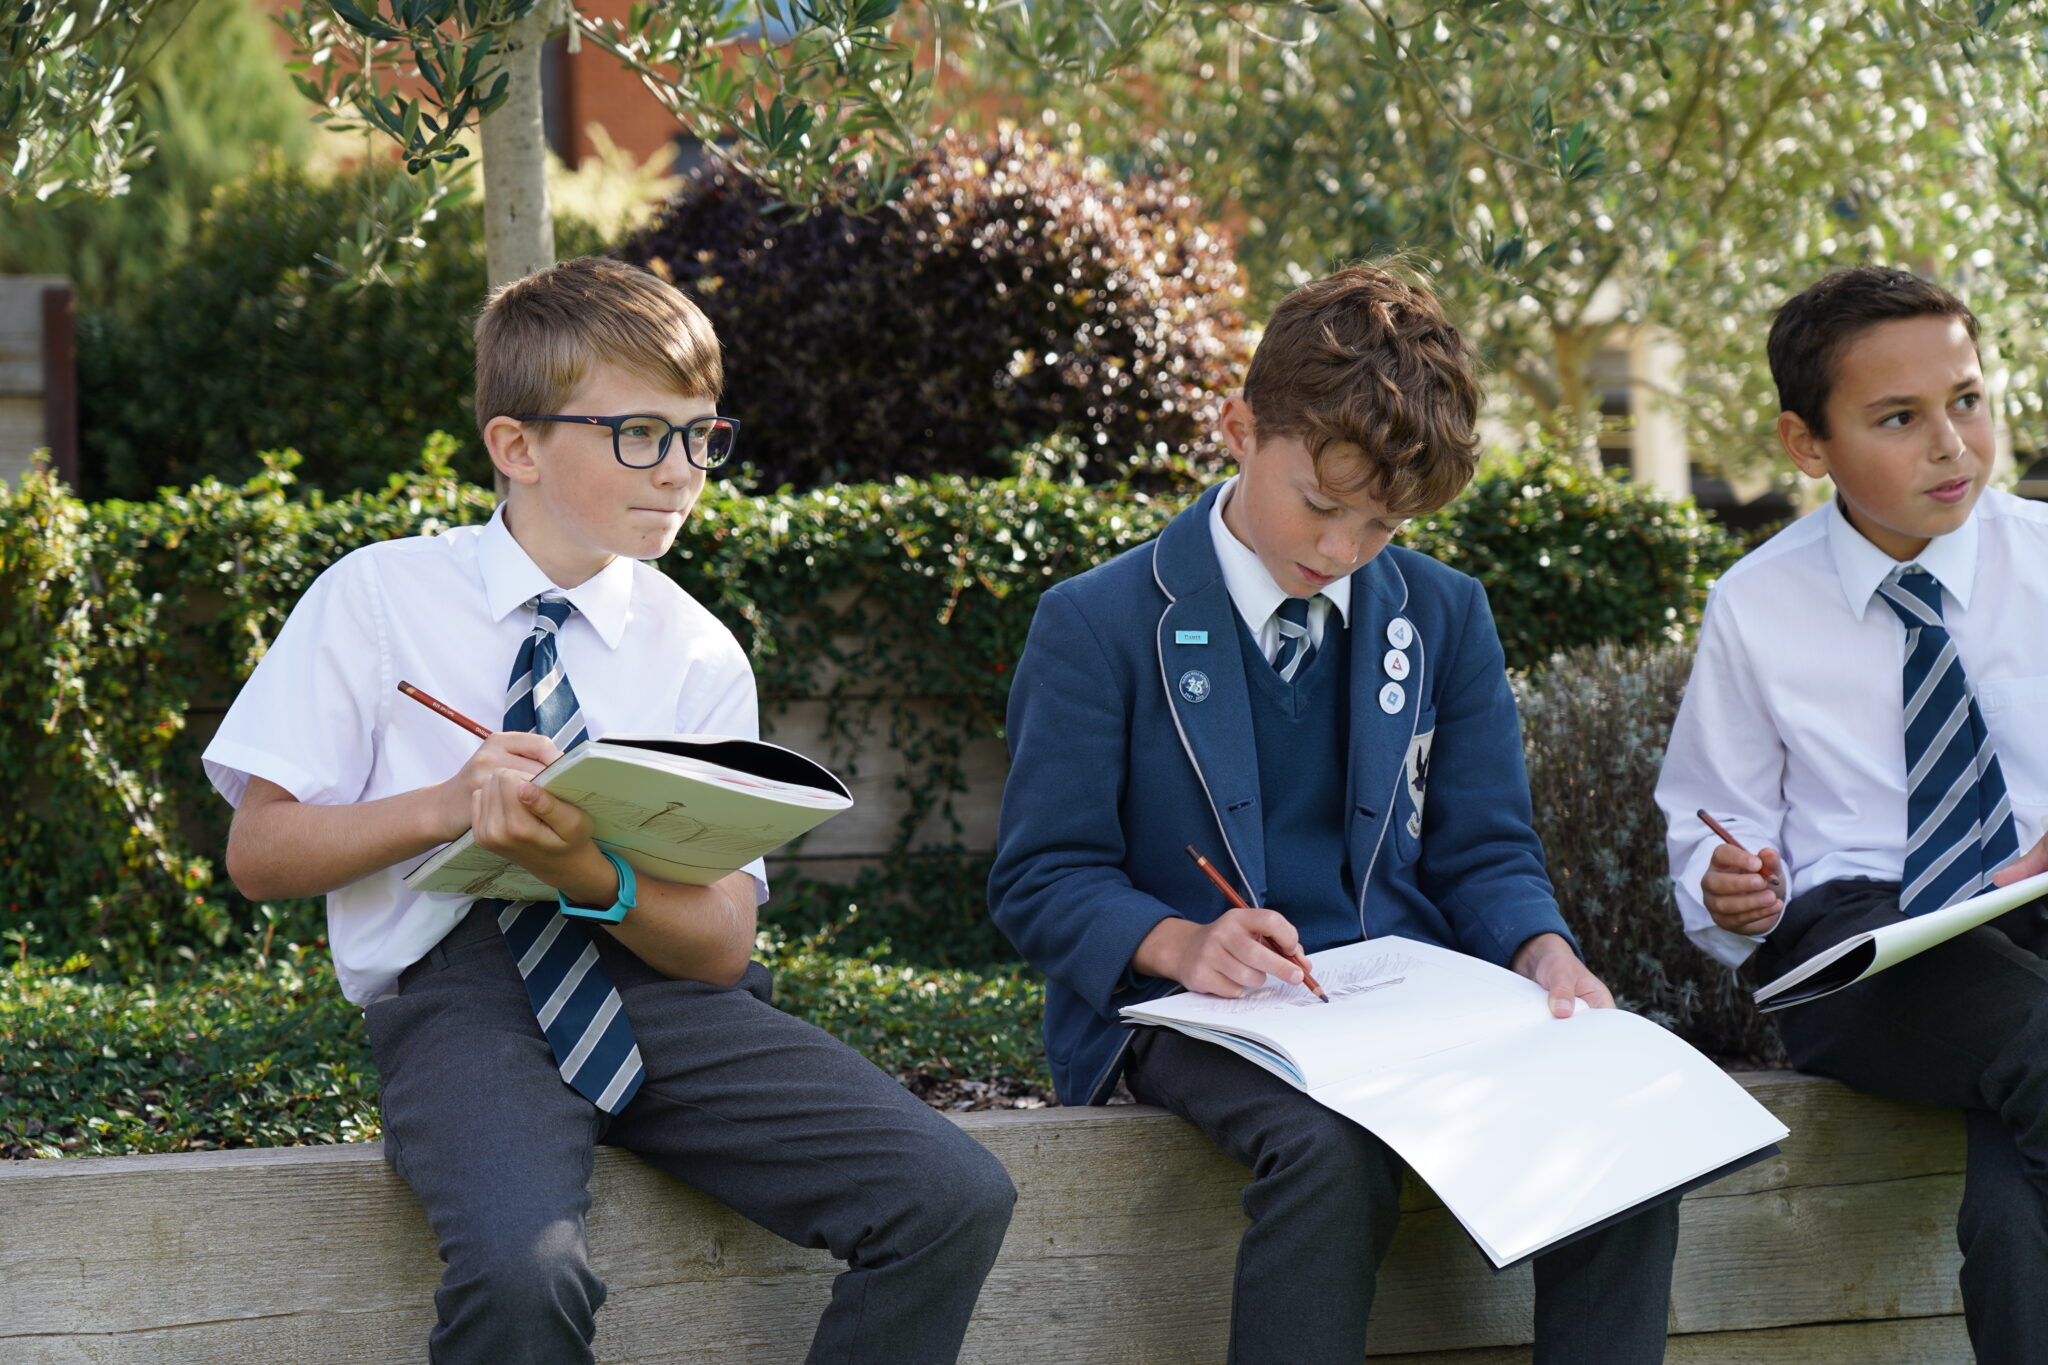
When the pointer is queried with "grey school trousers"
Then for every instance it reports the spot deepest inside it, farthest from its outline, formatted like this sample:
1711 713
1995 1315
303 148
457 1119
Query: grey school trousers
1964 1025
768 1115
1324 1198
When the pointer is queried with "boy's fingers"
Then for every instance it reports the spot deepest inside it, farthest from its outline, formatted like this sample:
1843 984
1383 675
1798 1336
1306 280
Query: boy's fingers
1729 858
1275 926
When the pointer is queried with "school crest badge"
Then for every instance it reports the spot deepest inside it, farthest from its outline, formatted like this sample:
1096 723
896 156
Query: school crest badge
1417 771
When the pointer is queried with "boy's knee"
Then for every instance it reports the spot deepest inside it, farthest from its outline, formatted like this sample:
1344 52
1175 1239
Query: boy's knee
1326 1147
978 1187
960 1194
530 1279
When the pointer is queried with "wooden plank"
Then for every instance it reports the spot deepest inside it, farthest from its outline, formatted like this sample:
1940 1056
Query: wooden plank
1911 1341
317 1254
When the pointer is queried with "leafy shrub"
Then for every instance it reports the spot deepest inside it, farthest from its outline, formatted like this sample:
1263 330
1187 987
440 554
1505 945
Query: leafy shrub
261 1050
120 622
246 344
1570 557
1594 727
1011 292
259 1053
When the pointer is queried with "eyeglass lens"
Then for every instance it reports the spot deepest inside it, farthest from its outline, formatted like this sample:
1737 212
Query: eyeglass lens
643 441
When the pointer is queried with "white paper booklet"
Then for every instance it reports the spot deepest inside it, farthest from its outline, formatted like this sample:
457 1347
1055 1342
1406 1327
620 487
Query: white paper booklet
1867 954
1530 1128
681 808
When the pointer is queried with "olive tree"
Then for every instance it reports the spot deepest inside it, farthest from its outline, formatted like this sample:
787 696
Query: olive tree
1573 169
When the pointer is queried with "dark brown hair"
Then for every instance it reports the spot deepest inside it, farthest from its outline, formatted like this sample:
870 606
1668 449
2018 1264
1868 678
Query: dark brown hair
1364 357
1816 325
537 337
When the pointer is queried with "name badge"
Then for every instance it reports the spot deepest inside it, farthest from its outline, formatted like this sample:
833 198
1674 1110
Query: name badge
1191 637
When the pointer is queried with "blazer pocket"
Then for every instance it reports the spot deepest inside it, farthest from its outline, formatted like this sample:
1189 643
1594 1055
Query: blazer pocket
1411 790
2016 710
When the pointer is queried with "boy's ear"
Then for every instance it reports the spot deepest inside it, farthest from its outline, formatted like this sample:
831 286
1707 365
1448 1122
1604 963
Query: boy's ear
1239 431
512 452
1802 445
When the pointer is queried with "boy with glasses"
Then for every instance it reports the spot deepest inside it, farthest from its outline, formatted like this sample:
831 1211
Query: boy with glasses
511 1038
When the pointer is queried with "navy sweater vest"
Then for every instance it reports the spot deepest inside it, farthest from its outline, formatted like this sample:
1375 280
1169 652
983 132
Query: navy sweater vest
1301 731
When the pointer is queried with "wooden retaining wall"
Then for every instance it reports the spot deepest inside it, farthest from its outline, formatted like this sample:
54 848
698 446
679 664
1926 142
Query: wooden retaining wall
1841 1248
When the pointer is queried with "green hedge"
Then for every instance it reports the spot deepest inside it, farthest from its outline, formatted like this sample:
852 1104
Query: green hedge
261 1050
166 1028
117 619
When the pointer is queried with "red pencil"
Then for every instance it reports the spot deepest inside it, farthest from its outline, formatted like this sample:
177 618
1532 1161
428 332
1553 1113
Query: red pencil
1715 825
434 704
1308 978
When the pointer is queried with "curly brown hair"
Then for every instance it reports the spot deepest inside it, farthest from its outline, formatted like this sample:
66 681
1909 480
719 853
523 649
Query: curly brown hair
1366 359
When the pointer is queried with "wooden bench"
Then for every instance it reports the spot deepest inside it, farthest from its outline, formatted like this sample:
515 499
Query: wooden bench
1840 1249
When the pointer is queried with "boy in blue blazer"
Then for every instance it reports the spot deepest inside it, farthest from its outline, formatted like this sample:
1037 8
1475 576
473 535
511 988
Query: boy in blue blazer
1329 719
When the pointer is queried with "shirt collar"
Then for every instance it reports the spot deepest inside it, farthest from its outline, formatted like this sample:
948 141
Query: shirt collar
512 580
1252 589
1861 566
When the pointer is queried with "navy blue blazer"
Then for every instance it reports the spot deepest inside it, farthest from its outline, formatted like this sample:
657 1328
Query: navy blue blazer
1130 735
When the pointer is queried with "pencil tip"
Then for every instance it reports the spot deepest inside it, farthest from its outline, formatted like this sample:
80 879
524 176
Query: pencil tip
1324 998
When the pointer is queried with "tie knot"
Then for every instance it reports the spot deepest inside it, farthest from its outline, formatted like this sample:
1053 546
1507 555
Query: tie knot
553 608
1914 595
1294 610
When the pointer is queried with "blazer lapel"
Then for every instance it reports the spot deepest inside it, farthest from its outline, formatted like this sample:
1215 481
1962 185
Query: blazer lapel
1201 670
1379 739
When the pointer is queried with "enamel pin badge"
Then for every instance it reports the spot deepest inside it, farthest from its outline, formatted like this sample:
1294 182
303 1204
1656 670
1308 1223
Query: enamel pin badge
1194 685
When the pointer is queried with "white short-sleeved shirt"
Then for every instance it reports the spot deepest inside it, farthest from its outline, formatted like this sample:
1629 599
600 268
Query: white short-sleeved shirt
1792 732
322 716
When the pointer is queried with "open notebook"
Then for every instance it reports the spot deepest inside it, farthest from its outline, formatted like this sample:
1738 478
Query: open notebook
1867 954
1533 1130
681 808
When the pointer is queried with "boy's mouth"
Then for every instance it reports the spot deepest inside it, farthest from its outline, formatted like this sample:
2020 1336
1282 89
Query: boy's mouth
1954 491
1320 580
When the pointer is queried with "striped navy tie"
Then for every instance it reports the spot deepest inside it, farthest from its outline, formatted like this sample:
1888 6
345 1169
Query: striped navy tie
1959 826
573 997
1296 645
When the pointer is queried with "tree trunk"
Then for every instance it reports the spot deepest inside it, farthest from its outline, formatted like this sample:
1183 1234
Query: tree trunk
1574 420
519 227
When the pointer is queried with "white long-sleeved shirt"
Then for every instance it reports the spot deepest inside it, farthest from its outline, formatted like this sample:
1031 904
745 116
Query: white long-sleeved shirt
1791 731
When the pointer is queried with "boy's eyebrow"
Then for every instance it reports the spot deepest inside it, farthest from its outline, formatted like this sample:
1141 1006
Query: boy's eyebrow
1909 399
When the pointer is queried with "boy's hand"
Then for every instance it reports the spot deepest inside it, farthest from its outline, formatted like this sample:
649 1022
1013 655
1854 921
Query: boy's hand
1227 957
2029 864
520 752
1548 960
543 834
1744 891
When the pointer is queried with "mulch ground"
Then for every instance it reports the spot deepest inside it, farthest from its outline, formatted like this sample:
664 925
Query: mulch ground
957 1096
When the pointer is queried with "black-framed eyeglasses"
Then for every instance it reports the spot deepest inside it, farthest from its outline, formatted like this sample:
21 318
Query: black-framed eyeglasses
640 440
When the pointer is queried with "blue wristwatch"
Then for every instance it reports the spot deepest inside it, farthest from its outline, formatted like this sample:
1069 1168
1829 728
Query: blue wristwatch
619 907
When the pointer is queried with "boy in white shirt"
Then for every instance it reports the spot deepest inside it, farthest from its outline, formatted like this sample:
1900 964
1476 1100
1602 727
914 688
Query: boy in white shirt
596 395
1865 716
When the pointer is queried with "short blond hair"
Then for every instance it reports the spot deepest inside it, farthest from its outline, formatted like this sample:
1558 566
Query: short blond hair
1364 357
538 337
